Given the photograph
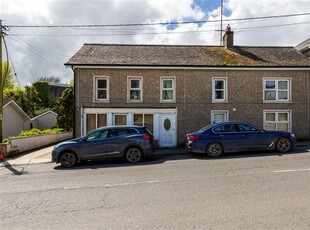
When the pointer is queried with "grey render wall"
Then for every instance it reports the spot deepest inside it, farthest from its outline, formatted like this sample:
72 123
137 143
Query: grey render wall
194 95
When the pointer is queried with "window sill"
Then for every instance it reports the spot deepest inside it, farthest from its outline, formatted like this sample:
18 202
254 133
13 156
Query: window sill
167 102
134 102
277 102
101 101
220 102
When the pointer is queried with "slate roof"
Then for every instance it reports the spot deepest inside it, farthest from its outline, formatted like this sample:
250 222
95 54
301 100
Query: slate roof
187 56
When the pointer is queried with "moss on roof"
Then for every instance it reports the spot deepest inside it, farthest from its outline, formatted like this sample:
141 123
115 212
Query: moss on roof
226 57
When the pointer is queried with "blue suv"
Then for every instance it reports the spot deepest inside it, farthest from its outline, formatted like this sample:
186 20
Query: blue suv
131 142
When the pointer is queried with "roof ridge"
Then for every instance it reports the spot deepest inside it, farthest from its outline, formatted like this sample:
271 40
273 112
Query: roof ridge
182 45
177 45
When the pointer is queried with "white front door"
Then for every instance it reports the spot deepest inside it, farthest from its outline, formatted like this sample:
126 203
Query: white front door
167 130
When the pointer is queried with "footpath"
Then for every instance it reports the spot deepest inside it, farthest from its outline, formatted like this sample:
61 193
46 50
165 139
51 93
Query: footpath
43 155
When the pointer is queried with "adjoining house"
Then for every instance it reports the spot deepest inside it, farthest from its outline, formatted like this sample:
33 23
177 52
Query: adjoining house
304 47
174 89
45 120
56 90
16 120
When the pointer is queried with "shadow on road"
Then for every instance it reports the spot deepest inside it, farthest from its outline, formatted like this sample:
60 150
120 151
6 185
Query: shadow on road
249 154
112 163
8 166
162 158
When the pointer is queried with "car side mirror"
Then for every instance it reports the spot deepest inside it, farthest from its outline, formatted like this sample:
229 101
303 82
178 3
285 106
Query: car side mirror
84 138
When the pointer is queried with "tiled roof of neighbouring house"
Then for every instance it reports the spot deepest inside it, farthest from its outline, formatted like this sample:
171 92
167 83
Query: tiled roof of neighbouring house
188 55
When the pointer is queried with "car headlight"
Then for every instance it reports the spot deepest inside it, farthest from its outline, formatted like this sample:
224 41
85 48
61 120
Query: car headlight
293 135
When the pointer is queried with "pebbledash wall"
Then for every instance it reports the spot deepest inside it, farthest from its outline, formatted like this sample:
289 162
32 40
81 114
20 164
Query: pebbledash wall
194 104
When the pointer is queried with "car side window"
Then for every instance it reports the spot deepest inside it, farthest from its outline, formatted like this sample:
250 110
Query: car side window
132 131
112 133
100 134
122 132
247 128
226 128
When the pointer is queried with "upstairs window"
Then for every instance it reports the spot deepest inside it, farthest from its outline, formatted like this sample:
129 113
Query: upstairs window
276 90
101 89
219 90
167 86
134 88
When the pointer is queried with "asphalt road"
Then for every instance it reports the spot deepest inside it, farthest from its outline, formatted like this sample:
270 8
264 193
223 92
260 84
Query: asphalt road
238 191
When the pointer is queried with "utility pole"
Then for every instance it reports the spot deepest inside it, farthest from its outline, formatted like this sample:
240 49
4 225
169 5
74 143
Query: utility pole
1 82
221 38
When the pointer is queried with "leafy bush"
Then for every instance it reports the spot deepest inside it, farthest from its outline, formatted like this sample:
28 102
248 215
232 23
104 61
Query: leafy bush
34 132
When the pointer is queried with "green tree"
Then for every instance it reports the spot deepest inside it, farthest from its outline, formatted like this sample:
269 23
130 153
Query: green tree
26 98
15 93
43 89
71 82
49 79
64 108
7 76
30 100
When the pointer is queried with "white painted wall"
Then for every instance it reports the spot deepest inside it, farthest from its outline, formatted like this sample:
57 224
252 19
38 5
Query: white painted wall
13 122
22 144
45 121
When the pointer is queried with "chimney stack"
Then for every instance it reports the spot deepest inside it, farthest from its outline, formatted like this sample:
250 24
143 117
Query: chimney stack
228 38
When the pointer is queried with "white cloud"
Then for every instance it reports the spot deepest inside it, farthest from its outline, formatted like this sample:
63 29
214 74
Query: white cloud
176 10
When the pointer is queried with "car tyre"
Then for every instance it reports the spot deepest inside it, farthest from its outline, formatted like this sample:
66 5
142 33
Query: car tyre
68 159
214 149
284 145
133 155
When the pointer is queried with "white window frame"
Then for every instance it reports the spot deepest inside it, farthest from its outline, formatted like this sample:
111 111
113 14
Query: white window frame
173 100
277 100
95 93
225 112
224 79
119 114
276 122
129 78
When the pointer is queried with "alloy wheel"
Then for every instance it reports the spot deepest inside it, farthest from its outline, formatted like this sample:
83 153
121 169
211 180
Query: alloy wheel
214 150
283 145
133 155
68 159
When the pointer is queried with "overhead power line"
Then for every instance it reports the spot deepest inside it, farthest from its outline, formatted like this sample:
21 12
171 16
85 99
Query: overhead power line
241 29
158 23
38 53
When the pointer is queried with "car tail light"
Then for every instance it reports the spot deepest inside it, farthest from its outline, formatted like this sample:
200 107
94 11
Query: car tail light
192 138
147 137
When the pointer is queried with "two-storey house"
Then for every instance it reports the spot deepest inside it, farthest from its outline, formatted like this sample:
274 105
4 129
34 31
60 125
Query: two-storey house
174 89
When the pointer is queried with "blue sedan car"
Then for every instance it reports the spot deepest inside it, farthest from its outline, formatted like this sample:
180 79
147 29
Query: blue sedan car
218 138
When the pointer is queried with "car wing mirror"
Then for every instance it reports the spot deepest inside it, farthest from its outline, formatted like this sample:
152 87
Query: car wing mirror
84 138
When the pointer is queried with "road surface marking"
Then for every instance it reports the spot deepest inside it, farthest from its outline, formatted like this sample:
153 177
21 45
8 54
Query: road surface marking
291 170
113 185
132 183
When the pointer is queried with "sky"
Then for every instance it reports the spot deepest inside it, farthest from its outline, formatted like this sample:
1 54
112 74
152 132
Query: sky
35 52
